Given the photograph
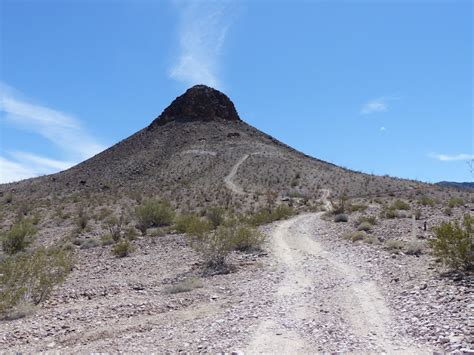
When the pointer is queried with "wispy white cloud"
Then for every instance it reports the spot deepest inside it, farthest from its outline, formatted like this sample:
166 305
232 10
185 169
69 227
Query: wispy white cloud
455 157
61 129
13 171
377 105
203 27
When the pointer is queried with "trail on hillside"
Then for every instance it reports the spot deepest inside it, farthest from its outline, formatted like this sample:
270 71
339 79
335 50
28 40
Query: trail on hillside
199 152
320 292
228 180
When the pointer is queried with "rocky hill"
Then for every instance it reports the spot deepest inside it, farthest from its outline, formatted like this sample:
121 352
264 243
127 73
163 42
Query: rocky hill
199 152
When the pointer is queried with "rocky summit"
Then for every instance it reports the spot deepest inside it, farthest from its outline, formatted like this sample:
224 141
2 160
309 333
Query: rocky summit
200 102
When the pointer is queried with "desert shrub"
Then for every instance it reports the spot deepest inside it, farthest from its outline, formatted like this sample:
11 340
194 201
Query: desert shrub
114 226
414 247
29 278
364 226
106 239
192 225
394 245
245 238
339 207
103 213
81 219
154 213
19 237
8 198
427 201
356 236
341 218
389 213
371 239
186 285
454 243
122 248
214 247
131 233
369 219
89 243
265 216
448 211
455 202
215 215
400 205
357 207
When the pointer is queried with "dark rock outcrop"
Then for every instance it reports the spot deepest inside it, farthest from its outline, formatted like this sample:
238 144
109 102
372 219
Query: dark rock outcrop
201 103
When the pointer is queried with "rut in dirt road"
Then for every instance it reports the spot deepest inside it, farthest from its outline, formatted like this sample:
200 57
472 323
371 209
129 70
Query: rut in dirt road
323 303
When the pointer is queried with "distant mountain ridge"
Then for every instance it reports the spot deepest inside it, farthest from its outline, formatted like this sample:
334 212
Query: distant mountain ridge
460 185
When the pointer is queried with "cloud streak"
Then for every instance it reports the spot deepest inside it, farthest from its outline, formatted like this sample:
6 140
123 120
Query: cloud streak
376 105
455 157
61 129
202 32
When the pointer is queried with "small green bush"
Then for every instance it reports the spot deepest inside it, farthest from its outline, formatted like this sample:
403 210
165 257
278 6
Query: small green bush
389 213
341 218
357 207
185 286
266 216
400 205
114 226
356 236
369 219
215 215
192 225
154 213
122 248
448 211
455 202
214 248
454 243
394 245
81 219
364 226
29 278
106 239
427 201
247 239
19 237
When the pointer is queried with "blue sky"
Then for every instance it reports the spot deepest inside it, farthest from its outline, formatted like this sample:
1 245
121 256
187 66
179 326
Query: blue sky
383 87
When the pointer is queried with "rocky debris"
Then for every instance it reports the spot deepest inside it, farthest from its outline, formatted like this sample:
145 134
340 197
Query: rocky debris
199 103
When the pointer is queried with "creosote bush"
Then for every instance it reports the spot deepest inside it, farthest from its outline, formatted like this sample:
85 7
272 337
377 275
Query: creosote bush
216 216
400 205
192 225
216 245
246 238
19 237
455 202
454 243
29 278
427 201
122 248
266 215
153 213
364 226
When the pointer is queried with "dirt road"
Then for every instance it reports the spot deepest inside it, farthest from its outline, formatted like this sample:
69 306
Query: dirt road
321 292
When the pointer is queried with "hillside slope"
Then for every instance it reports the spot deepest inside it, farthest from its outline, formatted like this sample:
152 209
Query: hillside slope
186 154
